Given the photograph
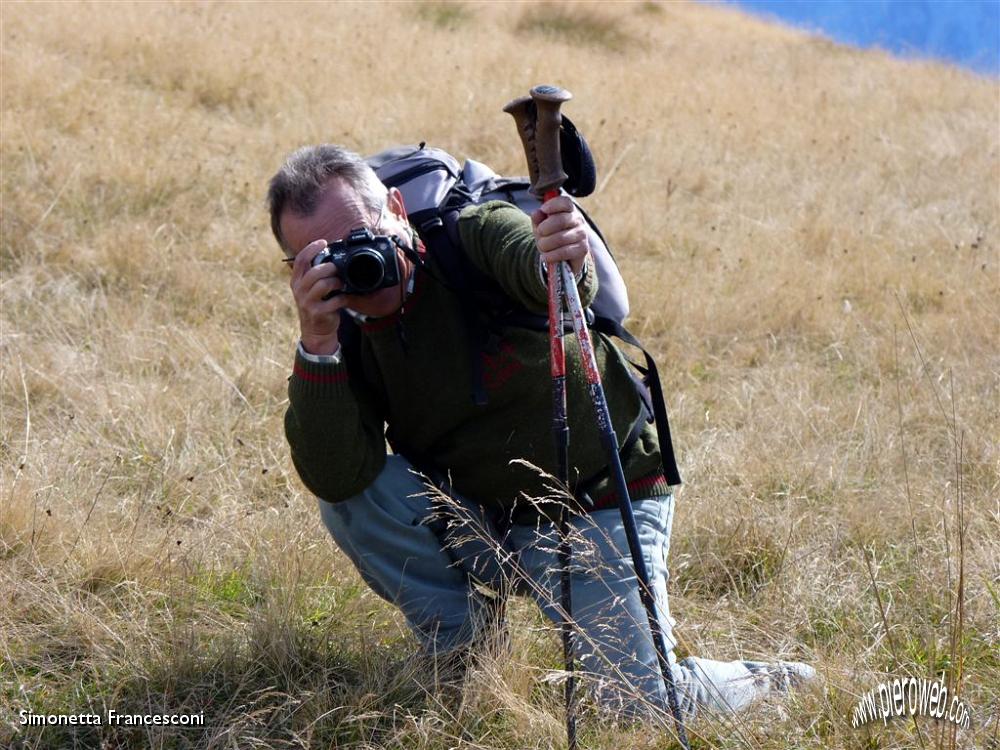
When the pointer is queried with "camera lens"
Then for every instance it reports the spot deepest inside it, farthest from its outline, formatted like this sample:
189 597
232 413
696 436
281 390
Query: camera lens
365 271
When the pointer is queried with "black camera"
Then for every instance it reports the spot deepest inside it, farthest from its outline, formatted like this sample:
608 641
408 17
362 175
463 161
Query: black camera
365 262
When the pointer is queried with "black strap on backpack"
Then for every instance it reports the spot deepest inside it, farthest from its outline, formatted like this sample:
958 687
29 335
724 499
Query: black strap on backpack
479 295
349 335
651 379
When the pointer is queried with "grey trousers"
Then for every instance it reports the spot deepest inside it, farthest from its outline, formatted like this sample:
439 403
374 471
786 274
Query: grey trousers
385 534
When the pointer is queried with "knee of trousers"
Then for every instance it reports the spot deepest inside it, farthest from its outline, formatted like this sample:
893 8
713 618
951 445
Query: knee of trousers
382 531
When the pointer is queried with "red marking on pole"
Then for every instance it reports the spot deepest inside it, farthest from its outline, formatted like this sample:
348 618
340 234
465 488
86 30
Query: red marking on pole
557 353
587 356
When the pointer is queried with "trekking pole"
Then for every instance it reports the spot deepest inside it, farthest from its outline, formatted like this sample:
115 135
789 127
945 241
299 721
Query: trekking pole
525 111
610 441
546 145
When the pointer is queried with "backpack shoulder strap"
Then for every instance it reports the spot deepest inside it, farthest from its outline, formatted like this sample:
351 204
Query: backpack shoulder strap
652 381
349 335
478 294
444 244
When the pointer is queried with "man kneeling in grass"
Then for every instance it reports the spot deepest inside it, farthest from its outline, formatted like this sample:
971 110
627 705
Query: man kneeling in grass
406 376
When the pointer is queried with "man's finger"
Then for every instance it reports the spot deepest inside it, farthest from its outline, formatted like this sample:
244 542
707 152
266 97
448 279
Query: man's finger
574 252
312 274
315 273
559 204
562 238
558 222
322 287
304 258
314 287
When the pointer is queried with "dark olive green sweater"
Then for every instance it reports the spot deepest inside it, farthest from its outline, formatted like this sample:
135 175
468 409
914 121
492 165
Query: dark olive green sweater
422 390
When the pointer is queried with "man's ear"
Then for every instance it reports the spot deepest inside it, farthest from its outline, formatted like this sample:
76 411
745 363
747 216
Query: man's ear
395 202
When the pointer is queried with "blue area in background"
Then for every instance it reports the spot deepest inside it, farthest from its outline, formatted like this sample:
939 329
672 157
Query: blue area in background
963 31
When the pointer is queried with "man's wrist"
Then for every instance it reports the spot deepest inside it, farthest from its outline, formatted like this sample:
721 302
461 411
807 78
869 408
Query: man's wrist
323 357
321 346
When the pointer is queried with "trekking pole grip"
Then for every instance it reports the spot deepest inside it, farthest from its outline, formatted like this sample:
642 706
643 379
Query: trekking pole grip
522 110
548 100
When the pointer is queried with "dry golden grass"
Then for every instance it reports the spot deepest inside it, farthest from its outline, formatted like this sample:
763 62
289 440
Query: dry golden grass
794 219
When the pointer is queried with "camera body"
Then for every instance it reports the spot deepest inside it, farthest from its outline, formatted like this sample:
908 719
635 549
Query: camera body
365 262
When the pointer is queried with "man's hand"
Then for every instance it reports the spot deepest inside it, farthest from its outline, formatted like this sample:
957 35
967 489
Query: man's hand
318 318
561 233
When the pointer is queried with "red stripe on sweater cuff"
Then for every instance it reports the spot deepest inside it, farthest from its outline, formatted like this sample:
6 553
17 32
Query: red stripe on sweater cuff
648 482
327 378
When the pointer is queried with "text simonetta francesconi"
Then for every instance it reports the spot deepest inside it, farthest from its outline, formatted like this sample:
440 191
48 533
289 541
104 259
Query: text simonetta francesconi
109 718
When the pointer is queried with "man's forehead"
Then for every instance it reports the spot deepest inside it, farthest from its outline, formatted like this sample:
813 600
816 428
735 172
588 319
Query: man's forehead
338 211
339 195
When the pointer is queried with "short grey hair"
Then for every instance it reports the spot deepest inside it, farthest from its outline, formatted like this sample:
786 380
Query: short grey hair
297 186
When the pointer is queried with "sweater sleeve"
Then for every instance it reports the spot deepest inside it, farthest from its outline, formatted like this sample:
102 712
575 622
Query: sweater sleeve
335 430
497 237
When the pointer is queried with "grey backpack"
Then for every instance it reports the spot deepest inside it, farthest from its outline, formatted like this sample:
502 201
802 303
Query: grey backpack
434 185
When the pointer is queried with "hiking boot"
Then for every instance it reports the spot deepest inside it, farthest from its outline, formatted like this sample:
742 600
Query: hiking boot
781 676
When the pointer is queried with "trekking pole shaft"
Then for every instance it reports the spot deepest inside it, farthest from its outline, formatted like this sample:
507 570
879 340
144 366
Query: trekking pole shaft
557 363
610 440
560 431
